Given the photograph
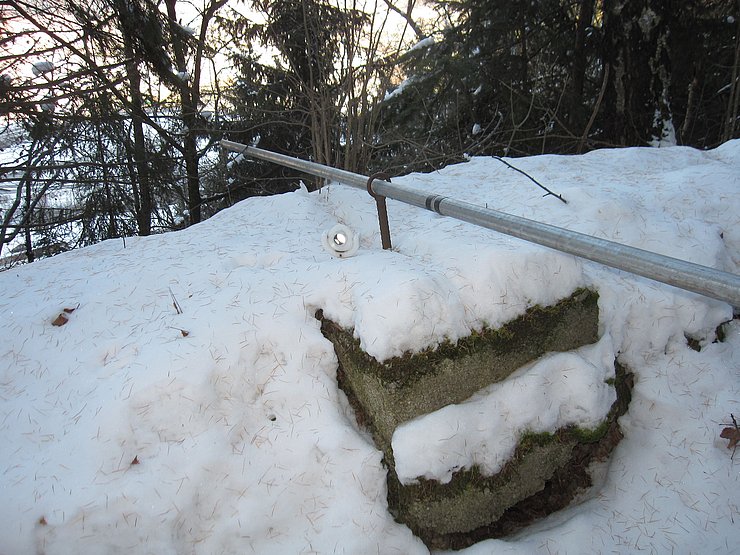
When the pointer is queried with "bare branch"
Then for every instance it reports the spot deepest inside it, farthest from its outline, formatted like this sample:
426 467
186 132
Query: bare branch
540 185
406 15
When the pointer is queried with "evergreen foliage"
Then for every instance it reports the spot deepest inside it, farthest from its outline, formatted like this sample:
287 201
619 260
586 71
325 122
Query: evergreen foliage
298 100
520 77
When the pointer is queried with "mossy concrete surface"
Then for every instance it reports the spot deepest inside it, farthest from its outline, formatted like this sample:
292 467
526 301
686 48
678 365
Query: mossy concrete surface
470 500
403 388
545 473
545 470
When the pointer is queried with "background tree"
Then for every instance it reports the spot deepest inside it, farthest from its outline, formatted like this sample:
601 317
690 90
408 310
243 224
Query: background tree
43 93
96 92
705 40
175 53
637 105
522 77
316 96
491 81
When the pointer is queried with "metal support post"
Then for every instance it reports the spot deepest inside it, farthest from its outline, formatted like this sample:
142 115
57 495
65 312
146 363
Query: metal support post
385 230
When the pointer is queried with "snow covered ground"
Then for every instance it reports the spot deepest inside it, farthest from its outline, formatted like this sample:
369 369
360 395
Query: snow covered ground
190 405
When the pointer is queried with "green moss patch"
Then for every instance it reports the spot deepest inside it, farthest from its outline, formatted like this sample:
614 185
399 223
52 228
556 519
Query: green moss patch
470 500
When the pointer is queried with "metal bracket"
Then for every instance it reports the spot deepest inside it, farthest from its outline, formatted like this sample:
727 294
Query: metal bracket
385 230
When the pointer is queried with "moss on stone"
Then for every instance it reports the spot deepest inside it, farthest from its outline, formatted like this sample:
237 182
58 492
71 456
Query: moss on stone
471 500
585 435
538 328
530 439
543 476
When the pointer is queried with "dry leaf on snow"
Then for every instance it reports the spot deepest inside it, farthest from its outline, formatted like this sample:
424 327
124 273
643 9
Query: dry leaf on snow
60 320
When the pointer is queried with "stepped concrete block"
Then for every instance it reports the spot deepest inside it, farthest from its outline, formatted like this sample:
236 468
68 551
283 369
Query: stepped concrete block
471 506
403 388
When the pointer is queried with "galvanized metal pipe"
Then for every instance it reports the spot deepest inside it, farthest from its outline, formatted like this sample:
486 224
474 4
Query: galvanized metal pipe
696 278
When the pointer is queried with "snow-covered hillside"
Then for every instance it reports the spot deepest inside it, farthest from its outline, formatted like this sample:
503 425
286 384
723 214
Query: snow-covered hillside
190 405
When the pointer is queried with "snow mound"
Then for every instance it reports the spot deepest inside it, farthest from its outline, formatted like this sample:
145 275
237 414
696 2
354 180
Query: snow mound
219 427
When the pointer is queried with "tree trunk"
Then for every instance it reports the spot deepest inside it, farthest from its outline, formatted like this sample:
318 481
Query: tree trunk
188 104
637 101
106 181
193 177
657 34
27 220
733 103
577 112
140 181
617 30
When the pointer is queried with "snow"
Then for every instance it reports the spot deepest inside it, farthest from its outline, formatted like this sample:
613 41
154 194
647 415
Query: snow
218 427
399 89
186 29
44 66
567 388
426 42
667 132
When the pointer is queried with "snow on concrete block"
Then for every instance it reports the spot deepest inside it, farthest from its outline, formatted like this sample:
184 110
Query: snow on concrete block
466 505
546 472
403 388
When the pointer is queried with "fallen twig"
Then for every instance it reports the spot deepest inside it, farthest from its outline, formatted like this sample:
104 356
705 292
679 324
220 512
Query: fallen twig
175 303
540 185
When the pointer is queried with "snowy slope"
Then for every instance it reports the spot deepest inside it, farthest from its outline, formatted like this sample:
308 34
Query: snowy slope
217 427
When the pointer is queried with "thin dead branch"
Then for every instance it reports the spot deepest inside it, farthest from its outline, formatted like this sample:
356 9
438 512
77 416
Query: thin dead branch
540 185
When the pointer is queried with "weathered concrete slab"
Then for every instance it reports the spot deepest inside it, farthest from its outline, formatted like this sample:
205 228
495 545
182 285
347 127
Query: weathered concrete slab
543 476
